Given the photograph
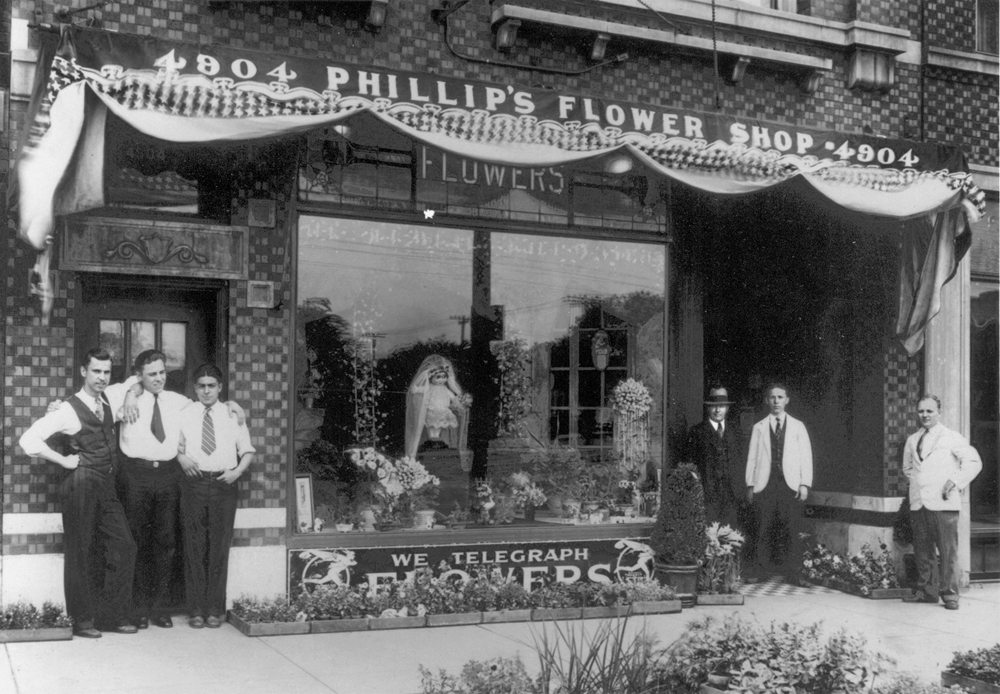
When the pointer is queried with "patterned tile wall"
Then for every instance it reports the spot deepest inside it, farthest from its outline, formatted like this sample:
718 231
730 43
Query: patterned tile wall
952 24
903 385
964 108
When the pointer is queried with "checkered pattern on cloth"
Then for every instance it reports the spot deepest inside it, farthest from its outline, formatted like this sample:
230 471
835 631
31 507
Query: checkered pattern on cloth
197 97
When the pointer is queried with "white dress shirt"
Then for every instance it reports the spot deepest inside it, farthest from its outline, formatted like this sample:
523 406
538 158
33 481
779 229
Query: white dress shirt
232 440
137 440
65 421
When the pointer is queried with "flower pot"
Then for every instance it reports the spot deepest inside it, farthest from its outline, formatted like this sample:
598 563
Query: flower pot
367 518
589 506
683 579
571 507
529 513
554 502
424 519
344 527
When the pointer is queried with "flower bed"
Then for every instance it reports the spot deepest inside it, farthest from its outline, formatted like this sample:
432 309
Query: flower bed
428 600
862 574
22 621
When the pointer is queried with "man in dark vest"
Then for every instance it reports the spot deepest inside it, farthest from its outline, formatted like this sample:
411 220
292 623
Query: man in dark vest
715 446
98 548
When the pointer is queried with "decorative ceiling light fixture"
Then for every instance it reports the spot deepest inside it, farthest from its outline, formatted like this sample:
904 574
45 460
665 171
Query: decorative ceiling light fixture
377 14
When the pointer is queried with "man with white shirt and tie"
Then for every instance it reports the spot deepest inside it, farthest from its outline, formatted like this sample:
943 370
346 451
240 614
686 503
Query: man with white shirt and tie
779 474
99 553
940 464
214 451
150 487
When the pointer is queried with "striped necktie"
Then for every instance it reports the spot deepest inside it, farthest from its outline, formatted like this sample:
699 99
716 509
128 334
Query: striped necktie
207 432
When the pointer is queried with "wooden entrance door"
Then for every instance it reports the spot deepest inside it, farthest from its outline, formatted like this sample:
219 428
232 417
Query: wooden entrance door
127 315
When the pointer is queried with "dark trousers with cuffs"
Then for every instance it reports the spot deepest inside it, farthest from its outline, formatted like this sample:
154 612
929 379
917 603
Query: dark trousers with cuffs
935 537
151 497
775 517
209 512
99 553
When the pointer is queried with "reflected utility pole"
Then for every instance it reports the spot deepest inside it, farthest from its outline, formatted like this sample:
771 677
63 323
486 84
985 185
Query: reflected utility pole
462 320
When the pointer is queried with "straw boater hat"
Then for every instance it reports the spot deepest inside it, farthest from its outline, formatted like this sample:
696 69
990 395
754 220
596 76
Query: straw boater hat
718 396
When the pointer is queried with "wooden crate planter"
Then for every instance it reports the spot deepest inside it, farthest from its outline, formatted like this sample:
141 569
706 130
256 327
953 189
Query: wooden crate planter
506 616
874 594
337 626
605 612
719 599
549 614
44 634
378 623
267 628
656 607
975 686
455 619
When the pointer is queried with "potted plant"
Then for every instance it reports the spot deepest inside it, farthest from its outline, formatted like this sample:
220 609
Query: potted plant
458 518
976 671
720 572
525 495
344 519
22 621
679 535
558 470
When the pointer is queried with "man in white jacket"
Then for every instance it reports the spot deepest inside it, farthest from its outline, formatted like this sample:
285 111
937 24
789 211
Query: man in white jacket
778 477
940 464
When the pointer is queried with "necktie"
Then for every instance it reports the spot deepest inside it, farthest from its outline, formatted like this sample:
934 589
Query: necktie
920 445
157 424
777 427
99 410
721 431
207 433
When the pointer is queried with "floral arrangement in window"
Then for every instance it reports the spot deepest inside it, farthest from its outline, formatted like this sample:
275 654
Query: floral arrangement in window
515 385
631 403
401 486
524 493
863 570
720 572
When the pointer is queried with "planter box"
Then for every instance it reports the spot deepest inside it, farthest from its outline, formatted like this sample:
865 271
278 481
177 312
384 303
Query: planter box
720 599
505 616
548 614
336 626
656 607
267 628
377 623
456 619
44 634
949 679
875 594
606 612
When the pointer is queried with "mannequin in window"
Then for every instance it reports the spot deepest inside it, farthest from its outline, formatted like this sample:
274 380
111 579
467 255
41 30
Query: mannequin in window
437 409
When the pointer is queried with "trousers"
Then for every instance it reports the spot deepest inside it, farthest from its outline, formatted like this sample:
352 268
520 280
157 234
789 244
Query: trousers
99 552
774 521
935 535
209 512
152 505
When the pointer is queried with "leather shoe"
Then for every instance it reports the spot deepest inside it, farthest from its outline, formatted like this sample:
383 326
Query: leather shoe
213 622
920 596
122 626
142 623
163 622
197 622
87 633
951 604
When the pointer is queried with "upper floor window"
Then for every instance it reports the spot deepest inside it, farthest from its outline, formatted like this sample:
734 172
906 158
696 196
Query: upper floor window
986 26
781 5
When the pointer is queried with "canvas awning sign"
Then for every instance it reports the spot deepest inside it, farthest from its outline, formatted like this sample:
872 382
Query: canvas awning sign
190 93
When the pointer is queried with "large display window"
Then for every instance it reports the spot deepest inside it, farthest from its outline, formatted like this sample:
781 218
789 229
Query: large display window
450 376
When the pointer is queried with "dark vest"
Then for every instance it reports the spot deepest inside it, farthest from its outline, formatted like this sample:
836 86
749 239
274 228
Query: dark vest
777 447
97 442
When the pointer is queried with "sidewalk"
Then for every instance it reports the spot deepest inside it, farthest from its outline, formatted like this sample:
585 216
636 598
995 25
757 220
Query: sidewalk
167 661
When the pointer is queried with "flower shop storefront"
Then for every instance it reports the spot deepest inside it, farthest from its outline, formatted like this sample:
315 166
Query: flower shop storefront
488 295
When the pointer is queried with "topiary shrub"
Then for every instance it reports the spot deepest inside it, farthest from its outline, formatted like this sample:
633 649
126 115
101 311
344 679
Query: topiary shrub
679 536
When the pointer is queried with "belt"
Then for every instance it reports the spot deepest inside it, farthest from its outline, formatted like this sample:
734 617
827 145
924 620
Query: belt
151 464
213 474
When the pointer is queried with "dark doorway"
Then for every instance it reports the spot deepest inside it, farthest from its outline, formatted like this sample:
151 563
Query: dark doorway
184 319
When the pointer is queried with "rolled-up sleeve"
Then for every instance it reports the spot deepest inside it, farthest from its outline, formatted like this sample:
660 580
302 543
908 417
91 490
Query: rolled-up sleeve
62 421
243 443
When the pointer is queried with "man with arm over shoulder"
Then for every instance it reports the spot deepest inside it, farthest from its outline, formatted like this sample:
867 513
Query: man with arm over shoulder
99 552
940 464
215 450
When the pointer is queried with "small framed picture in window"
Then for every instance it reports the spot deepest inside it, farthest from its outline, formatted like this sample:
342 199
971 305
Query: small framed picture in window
304 502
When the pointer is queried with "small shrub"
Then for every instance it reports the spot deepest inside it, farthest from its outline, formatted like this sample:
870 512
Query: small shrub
24 615
864 570
679 536
496 676
982 664
908 684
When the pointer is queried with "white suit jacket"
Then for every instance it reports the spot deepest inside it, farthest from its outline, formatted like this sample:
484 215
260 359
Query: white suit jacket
796 462
947 456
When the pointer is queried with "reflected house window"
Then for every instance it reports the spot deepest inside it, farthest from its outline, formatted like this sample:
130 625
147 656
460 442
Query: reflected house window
127 339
